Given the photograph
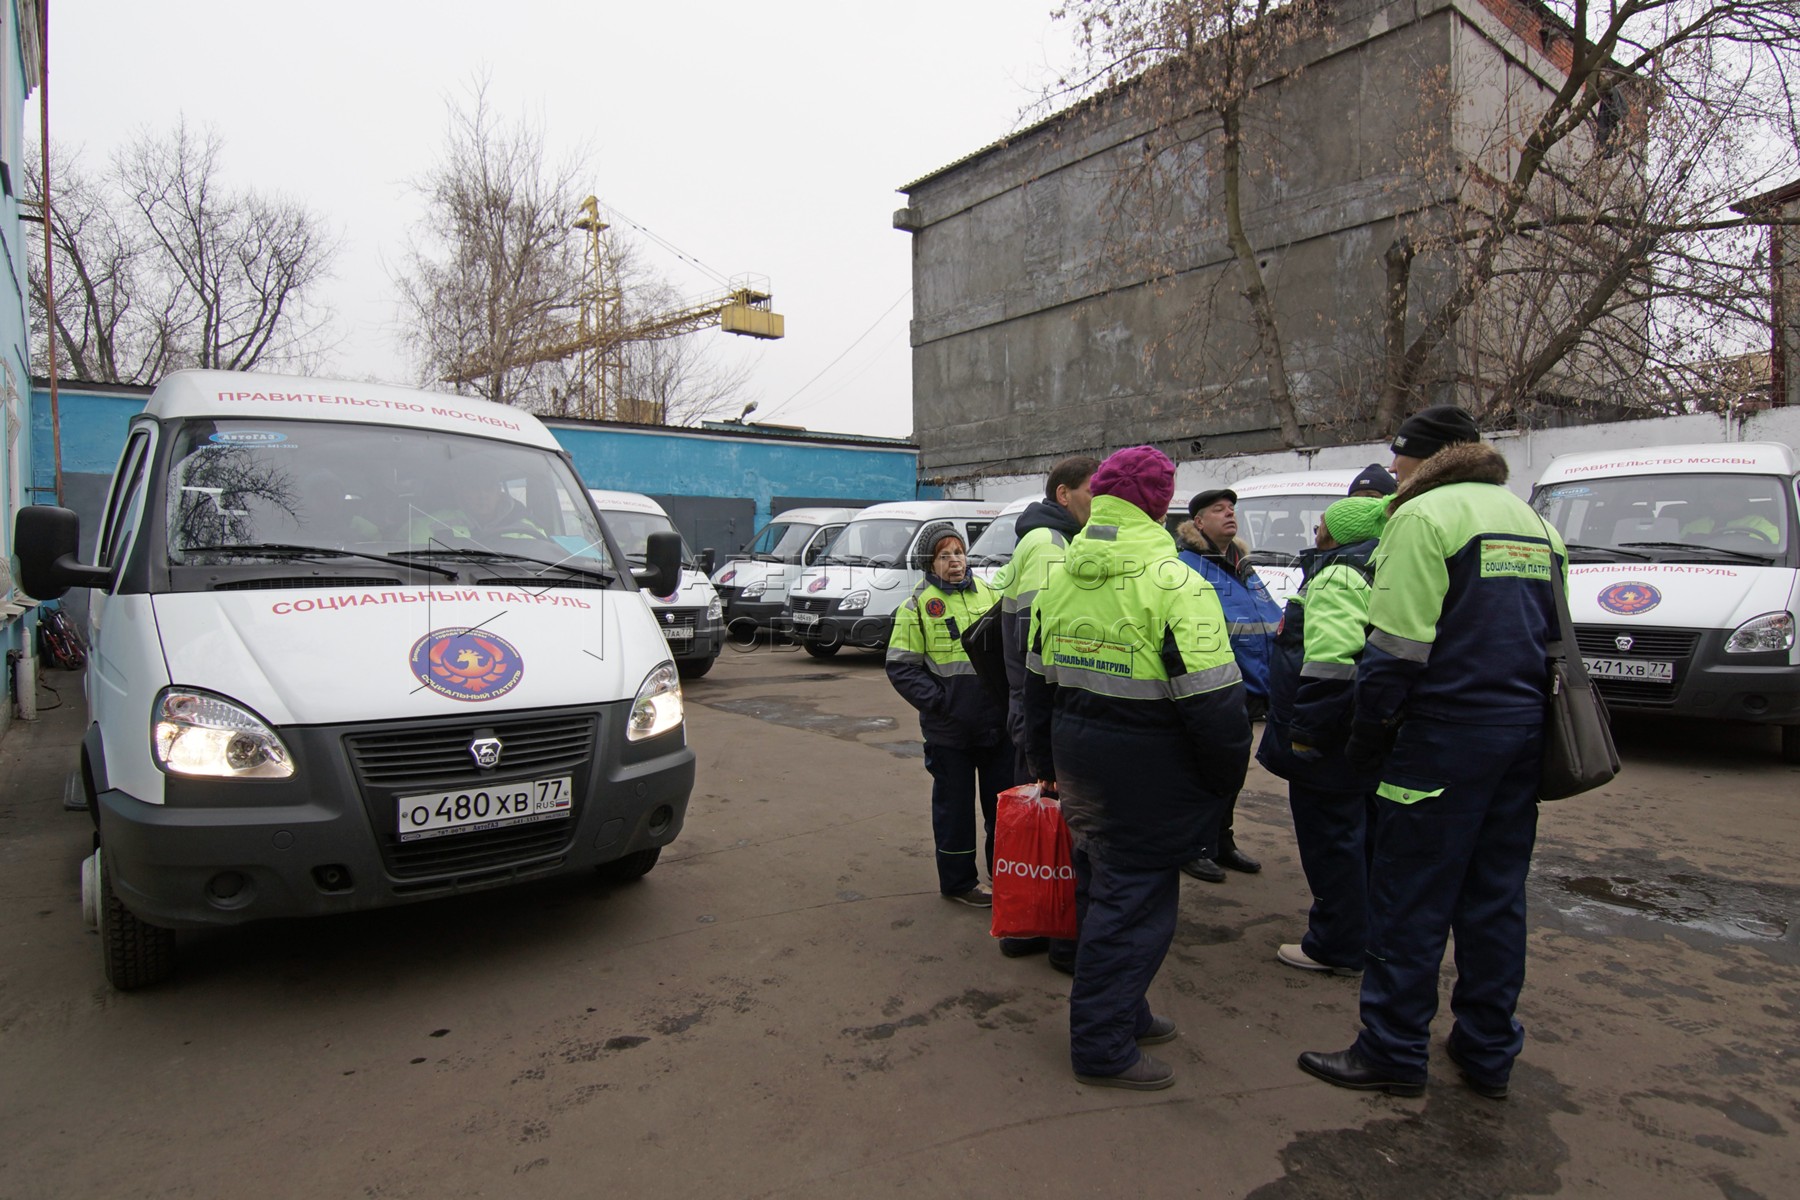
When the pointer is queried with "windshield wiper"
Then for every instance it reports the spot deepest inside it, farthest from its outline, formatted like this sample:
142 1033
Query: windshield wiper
1580 547
1741 555
475 555
288 550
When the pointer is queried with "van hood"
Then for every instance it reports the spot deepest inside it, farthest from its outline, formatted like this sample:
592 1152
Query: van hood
832 582
326 656
774 576
696 591
1679 595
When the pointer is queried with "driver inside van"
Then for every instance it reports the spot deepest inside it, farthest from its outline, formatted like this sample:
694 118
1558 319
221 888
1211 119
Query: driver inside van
480 508
1717 517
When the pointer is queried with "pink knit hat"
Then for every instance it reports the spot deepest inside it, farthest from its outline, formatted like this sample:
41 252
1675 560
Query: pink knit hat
1142 475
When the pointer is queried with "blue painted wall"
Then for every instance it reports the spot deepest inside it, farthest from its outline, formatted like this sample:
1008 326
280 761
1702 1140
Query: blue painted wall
15 344
669 462
688 463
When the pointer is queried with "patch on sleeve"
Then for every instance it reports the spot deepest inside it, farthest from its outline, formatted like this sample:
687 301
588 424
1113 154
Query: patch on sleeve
1504 558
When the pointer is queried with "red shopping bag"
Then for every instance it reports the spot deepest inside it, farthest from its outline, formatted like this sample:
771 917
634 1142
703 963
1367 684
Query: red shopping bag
1034 873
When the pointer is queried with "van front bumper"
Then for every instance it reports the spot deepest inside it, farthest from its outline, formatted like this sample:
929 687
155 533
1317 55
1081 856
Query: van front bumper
846 629
1709 683
224 852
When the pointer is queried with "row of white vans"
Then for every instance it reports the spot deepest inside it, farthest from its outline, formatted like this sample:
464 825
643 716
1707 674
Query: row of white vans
353 645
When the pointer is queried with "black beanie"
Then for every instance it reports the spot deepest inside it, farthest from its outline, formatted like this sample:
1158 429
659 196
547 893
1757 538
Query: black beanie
1426 432
1374 478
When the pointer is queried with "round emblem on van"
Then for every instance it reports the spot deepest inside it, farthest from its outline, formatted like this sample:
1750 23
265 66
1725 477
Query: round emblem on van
486 751
934 607
817 585
1629 599
465 665
1624 642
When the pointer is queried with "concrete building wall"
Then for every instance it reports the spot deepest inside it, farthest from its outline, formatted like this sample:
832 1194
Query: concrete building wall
1035 337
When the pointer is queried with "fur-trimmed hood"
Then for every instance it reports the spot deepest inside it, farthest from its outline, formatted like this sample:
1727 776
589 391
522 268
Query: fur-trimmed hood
1189 537
1464 462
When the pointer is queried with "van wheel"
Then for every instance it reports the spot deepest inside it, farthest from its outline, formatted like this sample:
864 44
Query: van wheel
136 953
823 649
694 668
632 867
1790 743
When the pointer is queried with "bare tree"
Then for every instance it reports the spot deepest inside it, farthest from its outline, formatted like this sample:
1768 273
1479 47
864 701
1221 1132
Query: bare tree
499 267
499 280
1561 234
160 266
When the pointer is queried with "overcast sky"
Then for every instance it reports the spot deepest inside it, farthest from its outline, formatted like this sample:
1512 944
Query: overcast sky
764 138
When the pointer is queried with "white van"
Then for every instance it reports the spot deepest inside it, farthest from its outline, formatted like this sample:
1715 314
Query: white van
1682 578
1277 515
994 548
351 646
849 596
753 583
690 615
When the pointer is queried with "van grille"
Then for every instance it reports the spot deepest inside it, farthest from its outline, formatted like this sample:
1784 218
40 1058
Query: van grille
435 757
1664 645
818 604
310 581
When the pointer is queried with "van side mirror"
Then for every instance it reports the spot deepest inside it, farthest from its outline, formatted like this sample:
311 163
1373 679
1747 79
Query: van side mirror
47 540
706 561
661 572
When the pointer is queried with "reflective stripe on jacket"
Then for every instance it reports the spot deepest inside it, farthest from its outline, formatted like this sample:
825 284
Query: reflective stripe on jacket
1134 703
928 666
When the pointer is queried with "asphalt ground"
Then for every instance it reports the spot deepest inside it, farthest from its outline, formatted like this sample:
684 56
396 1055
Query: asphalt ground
786 1008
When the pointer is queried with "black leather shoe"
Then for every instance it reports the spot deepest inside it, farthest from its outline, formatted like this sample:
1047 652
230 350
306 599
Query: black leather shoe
1490 1091
1349 1069
1065 964
1013 947
1205 869
1237 860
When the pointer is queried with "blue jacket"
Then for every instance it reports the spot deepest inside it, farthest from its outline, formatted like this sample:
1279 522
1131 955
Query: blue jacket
1251 614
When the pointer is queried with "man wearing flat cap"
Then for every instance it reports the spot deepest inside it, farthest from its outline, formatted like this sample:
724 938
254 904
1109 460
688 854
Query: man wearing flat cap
1450 700
1210 544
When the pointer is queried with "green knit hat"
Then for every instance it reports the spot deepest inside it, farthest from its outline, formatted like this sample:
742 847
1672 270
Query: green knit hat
1356 519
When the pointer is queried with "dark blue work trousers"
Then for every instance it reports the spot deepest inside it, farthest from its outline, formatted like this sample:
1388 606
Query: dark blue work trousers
960 775
1332 830
1451 863
1127 917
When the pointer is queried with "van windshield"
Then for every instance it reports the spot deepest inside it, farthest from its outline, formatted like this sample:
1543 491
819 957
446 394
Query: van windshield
1279 527
881 542
780 541
249 489
1674 518
995 546
633 530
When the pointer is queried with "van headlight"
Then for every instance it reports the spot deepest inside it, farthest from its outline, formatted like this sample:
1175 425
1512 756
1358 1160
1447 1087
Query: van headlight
199 734
855 602
755 590
658 707
1771 631
715 609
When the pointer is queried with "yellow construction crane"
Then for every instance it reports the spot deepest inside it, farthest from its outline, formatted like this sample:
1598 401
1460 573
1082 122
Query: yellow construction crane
600 335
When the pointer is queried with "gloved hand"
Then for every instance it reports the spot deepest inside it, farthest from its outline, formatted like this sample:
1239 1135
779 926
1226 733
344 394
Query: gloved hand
1369 744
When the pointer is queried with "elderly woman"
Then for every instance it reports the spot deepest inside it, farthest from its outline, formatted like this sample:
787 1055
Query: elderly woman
967 749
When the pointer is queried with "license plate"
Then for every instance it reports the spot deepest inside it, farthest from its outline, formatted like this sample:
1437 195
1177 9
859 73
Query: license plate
471 810
1630 668
678 633
802 617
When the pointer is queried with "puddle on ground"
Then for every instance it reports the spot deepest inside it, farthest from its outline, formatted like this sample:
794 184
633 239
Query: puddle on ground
802 714
1736 910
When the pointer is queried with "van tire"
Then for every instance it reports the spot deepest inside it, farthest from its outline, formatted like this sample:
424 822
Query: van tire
822 649
1790 743
694 668
135 952
631 868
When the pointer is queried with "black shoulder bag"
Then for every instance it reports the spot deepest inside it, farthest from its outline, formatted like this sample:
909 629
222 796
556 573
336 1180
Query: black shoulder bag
1579 754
